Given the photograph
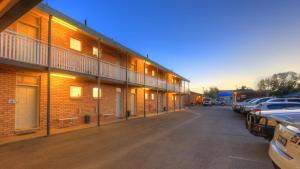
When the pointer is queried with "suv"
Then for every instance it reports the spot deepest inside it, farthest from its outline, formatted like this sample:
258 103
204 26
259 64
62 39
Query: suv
285 147
259 121
207 102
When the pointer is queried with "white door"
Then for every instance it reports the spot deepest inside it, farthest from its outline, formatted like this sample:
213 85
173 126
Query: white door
26 107
119 103
132 103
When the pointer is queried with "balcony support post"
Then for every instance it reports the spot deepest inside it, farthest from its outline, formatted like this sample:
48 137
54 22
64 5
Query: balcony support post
157 90
126 94
167 97
144 88
99 83
49 77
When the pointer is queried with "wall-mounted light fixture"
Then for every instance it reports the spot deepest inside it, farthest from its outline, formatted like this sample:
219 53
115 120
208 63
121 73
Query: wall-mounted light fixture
59 21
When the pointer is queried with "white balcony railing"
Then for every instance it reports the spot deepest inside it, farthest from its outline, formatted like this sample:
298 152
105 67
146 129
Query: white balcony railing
16 47
24 49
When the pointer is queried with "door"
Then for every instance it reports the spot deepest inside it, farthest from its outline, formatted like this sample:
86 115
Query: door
26 107
118 70
118 103
160 102
28 49
132 103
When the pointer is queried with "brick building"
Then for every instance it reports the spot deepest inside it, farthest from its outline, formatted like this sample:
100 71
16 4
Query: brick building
56 73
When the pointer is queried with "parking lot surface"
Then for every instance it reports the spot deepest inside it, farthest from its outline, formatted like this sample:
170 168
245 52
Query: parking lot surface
202 137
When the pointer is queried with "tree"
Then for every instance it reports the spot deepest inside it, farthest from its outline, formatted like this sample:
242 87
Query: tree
280 84
244 88
212 92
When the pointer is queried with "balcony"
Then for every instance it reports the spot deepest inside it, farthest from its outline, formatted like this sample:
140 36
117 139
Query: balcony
19 48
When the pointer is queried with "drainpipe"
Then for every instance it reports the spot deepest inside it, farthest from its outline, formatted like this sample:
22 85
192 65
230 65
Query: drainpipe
49 76
99 83
126 99
157 90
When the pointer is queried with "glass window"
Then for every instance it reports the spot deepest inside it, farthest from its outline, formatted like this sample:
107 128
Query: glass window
293 100
95 92
277 100
95 51
75 91
276 106
146 70
153 73
75 44
152 96
146 96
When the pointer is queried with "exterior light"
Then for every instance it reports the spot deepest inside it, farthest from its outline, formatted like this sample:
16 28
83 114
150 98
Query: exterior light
59 21
63 76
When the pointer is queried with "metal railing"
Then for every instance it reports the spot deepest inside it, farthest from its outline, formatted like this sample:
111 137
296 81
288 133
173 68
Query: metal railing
20 48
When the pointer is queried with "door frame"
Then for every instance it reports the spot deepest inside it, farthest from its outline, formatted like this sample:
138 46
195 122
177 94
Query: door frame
38 88
37 107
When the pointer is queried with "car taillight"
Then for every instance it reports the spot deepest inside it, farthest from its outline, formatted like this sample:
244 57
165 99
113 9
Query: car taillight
256 110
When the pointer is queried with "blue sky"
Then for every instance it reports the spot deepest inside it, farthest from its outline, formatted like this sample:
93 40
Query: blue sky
223 43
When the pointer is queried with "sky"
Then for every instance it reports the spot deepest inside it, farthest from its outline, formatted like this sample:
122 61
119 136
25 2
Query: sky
213 43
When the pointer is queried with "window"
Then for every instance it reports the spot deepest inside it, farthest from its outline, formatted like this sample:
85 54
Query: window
146 96
75 91
95 92
294 100
75 44
276 106
277 100
152 96
146 70
95 51
153 73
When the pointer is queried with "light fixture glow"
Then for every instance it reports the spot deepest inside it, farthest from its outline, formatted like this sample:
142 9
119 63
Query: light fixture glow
59 21
63 76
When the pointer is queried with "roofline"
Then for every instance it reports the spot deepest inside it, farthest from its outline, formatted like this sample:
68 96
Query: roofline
51 11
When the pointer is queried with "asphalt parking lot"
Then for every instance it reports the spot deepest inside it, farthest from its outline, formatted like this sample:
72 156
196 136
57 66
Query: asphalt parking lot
200 138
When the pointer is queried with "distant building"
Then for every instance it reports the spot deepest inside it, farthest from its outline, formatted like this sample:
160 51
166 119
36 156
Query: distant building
195 98
226 96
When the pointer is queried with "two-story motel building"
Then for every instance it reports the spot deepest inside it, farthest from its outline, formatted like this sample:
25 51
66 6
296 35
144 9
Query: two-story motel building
56 73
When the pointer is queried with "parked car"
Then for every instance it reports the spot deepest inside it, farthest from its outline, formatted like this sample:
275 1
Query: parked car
207 102
236 106
285 100
220 102
284 149
251 105
259 121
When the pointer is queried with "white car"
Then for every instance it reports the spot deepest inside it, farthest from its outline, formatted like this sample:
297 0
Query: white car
259 121
253 104
284 100
285 146
207 102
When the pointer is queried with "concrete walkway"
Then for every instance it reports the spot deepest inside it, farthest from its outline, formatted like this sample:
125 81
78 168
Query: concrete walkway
208 138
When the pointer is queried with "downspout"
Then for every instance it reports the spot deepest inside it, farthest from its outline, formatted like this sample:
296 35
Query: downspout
49 76
99 83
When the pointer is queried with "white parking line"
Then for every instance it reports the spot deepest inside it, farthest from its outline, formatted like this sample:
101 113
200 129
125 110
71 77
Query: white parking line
244 159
